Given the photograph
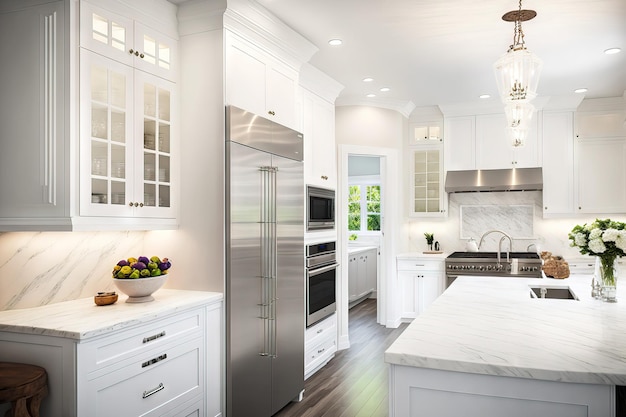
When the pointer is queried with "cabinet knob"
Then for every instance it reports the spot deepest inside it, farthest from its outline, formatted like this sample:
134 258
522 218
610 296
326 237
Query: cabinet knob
545 208
140 204
324 177
272 113
131 51
130 204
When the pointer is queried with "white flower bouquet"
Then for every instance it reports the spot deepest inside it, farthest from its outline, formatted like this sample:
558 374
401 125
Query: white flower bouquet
605 239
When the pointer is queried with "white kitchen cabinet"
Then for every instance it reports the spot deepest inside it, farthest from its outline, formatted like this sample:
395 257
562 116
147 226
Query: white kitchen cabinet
320 344
482 142
558 162
428 198
318 127
362 274
258 82
33 122
425 132
601 175
128 121
82 160
150 359
421 282
128 41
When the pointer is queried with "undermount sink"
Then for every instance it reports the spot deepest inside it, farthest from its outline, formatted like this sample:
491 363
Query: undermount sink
559 293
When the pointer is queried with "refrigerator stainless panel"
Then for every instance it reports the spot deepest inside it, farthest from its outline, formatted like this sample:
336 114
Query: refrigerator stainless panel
260 133
288 365
248 388
264 270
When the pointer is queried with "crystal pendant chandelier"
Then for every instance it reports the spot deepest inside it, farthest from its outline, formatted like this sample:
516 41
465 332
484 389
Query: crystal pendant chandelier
517 76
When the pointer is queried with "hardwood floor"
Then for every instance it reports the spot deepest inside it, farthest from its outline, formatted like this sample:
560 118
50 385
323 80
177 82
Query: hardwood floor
355 382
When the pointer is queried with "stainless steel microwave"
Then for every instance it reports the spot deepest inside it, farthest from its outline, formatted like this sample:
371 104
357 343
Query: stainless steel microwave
320 207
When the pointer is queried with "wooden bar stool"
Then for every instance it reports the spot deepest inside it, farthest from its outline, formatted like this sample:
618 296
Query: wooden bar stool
24 386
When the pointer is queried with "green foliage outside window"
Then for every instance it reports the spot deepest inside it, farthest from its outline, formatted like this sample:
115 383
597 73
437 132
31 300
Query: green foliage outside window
364 206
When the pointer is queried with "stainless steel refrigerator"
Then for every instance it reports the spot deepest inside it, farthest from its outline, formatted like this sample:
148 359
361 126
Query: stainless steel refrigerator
264 265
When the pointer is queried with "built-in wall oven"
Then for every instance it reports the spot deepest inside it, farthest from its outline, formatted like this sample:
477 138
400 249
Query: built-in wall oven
321 281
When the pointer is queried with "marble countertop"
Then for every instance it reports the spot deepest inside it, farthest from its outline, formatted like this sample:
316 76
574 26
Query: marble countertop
422 255
82 319
357 249
491 326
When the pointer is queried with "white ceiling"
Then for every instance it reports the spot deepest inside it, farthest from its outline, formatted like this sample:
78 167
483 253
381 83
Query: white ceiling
441 52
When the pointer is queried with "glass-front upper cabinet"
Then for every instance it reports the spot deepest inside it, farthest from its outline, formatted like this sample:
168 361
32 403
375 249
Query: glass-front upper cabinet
425 133
127 41
126 140
427 196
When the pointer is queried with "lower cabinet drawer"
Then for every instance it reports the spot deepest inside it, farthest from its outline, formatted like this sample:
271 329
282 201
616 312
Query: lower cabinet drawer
153 386
420 265
99 354
320 351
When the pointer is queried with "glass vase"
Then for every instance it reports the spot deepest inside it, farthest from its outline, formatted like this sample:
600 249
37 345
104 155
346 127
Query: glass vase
608 277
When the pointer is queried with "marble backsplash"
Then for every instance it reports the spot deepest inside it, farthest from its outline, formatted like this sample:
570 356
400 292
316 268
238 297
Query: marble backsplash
42 268
507 211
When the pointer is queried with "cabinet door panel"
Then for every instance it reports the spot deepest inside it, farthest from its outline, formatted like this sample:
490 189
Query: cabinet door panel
106 136
156 52
493 147
280 98
32 154
245 80
460 143
106 33
154 97
601 175
558 169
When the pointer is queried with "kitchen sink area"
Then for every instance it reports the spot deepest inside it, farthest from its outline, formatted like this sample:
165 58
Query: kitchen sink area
558 293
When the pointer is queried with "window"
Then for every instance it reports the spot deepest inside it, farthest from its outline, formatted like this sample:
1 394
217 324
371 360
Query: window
364 208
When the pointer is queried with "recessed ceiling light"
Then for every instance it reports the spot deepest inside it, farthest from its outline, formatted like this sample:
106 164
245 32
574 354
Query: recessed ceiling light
370 95
484 96
612 51
384 89
368 80
580 90
335 42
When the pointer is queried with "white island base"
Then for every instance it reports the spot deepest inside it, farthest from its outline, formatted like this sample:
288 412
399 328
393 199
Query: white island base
435 393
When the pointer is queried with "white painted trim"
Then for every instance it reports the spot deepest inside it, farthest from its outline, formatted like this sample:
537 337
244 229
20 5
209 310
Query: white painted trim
386 309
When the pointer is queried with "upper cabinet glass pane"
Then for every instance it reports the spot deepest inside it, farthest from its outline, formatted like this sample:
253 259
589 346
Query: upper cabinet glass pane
149 49
149 100
164 104
100 27
108 32
118 36
164 56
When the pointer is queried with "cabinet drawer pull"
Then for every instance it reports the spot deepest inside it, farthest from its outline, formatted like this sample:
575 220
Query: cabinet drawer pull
152 391
153 337
419 264
154 360
320 331
321 350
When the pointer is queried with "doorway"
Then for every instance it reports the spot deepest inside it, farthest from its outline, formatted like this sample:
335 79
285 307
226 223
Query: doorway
387 161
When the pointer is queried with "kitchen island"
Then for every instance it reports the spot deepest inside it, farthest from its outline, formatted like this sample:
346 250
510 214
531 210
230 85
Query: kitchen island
485 348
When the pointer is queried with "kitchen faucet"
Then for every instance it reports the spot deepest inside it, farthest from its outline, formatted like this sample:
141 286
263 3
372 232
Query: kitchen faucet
499 243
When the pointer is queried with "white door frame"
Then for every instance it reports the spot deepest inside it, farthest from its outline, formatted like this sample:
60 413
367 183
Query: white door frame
389 224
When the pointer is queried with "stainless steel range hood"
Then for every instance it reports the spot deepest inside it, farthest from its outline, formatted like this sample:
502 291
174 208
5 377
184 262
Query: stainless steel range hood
515 179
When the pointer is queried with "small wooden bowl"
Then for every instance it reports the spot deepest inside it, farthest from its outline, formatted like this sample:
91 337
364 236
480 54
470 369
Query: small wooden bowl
105 298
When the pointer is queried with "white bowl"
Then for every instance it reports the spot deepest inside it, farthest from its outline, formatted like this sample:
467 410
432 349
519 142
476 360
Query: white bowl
139 290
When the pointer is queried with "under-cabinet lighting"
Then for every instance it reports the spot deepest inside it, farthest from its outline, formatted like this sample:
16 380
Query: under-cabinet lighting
335 42
370 95
580 90
385 89
368 79
612 51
